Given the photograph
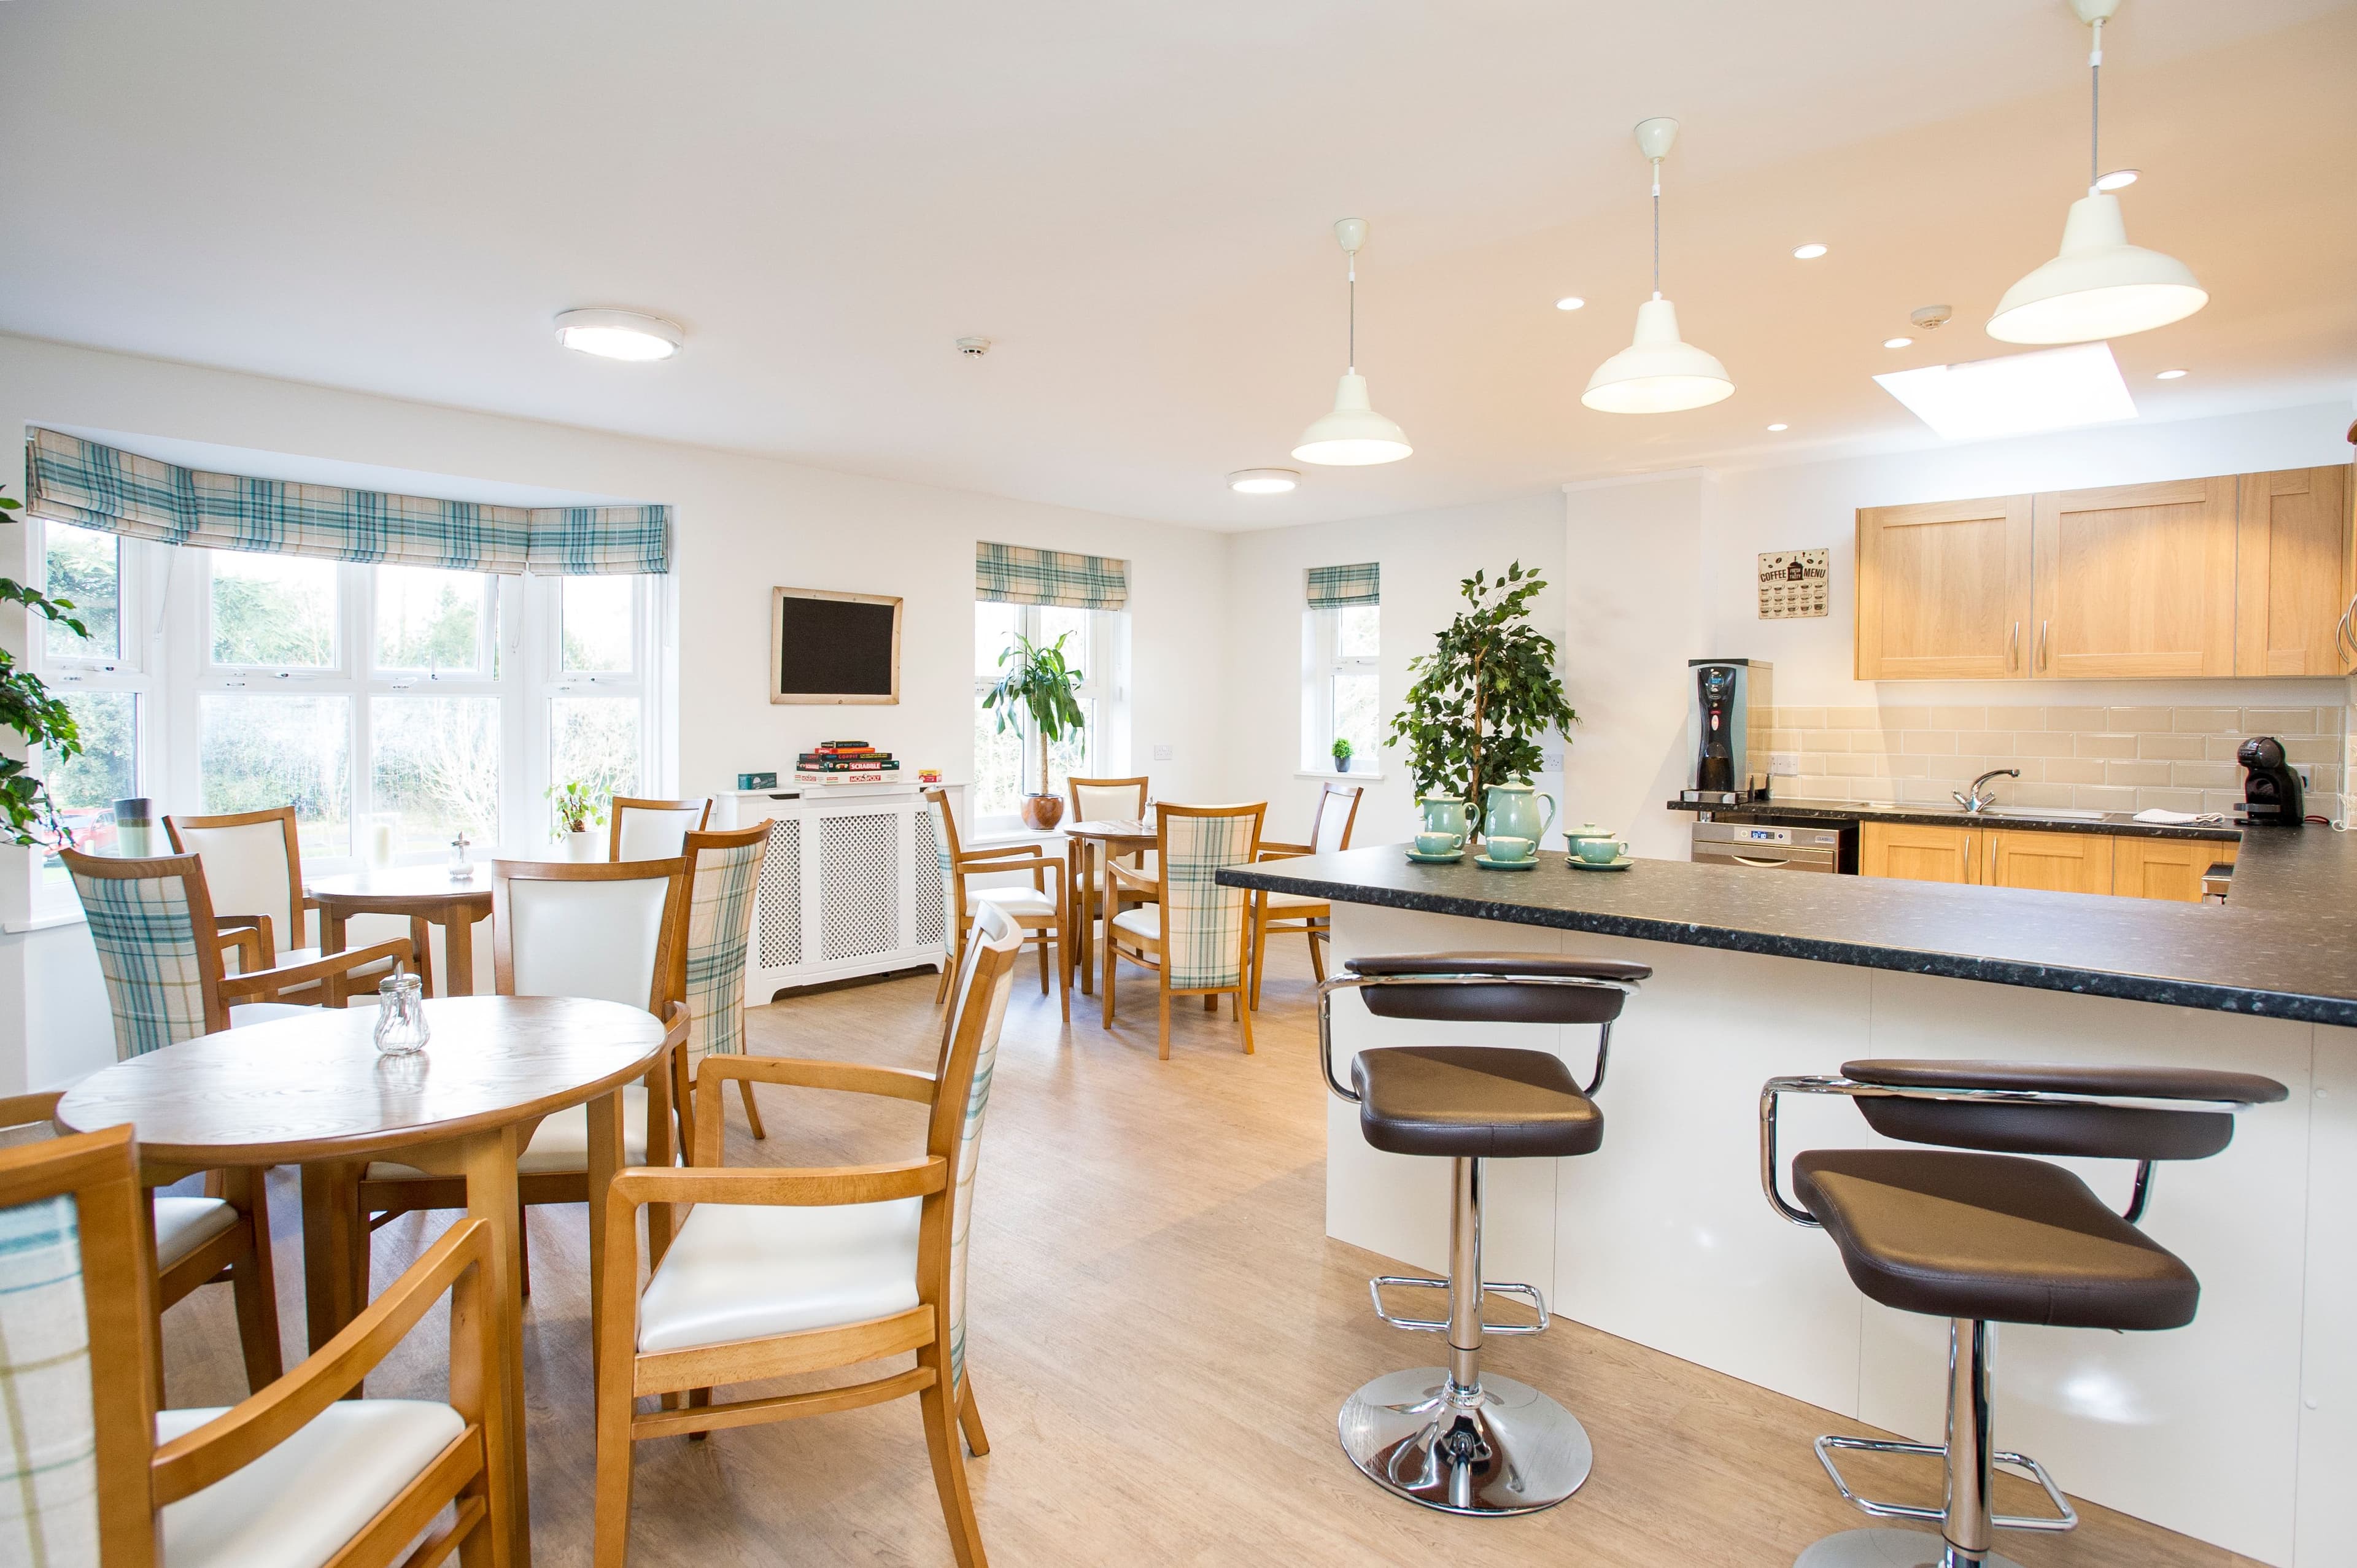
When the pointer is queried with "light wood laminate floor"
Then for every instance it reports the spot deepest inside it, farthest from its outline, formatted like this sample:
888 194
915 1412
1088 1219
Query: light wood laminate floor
1160 1334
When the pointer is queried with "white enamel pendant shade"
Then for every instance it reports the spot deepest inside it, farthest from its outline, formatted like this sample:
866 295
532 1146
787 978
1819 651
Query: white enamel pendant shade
1354 435
1660 372
2098 286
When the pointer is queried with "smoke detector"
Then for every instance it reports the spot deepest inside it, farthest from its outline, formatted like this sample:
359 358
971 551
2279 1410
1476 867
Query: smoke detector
974 348
1932 316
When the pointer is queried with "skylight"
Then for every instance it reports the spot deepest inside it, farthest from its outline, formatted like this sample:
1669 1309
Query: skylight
2019 395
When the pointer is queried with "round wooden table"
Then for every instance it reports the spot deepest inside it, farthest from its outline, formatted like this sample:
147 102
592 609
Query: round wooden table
1113 837
426 895
312 1091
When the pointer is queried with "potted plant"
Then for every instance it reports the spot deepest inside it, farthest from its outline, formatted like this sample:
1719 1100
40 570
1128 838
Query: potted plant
1037 684
1485 696
28 815
1342 755
579 812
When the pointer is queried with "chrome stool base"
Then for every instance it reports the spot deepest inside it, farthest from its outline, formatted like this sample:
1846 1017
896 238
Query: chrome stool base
1885 1549
1516 1451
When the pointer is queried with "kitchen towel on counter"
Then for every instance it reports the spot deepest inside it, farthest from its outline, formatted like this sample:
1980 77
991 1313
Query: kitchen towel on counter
2162 819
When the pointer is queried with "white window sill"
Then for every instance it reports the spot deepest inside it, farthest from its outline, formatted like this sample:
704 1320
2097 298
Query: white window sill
1356 775
48 921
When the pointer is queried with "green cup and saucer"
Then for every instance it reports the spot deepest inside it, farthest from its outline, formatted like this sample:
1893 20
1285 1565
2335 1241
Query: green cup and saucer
1451 858
1592 851
1509 855
1437 849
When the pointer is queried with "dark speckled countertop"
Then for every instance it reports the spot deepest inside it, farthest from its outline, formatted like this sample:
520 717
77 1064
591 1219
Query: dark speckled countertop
2284 945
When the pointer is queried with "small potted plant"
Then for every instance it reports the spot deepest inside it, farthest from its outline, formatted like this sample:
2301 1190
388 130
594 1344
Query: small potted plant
1342 755
580 814
1039 685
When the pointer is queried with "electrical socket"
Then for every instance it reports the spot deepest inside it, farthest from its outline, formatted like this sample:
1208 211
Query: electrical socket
1161 754
1784 764
1550 761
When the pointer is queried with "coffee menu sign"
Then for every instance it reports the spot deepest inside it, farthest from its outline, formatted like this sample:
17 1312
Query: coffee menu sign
1792 584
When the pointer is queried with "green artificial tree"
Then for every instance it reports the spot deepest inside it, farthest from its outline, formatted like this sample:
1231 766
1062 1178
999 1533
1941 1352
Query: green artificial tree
1485 696
1038 684
41 722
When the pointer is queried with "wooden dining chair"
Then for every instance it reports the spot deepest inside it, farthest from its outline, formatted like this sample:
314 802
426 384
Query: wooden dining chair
653 829
780 1272
1044 916
1194 934
723 874
253 865
1098 800
603 930
165 984
297 1473
1283 913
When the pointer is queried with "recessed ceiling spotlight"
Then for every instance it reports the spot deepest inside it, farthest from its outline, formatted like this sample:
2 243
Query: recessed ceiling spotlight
1897 342
1263 482
618 334
2118 179
1780 428
1569 302
1808 252
2169 375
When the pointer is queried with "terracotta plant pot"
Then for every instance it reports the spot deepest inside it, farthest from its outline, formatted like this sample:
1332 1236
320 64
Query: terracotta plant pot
1042 812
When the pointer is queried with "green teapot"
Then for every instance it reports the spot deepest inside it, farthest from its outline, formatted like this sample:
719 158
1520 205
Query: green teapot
1446 814
1513 812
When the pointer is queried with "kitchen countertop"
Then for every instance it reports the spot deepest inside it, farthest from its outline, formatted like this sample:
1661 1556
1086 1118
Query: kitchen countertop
2281 947
2026 819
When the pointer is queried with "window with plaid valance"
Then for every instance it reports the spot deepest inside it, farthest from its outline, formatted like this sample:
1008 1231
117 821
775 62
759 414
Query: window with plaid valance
71 480
1013 575
1330 587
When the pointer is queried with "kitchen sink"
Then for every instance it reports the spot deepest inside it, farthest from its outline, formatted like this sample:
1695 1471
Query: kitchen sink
2051 813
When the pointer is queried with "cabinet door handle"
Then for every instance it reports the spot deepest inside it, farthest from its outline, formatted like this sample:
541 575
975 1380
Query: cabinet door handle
2343 639
2013 646
2043 627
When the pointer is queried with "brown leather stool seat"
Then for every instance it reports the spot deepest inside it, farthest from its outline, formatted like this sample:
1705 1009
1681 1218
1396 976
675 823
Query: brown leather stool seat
1473 1103
1990 1236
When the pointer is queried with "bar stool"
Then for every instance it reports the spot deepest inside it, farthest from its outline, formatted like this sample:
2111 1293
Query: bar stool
1986 1238
1446 1437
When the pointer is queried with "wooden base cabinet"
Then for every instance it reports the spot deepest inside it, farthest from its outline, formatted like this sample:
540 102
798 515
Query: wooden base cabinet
2129 865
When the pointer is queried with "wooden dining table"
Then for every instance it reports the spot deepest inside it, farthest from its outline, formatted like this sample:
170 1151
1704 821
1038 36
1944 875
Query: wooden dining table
314 1091
1113 838
426 895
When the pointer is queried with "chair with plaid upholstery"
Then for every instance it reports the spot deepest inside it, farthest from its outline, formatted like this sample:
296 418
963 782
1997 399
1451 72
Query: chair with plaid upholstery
1196 935
93 1476
165 984
1041 913
777 1271
724 872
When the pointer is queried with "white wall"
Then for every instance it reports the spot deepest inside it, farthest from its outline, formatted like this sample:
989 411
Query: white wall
1423 556
745 525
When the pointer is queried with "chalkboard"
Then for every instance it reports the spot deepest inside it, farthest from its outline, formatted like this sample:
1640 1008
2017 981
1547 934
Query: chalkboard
833 648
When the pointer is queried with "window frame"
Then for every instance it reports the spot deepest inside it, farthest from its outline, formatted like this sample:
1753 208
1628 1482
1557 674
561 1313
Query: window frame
1321 663
1103 682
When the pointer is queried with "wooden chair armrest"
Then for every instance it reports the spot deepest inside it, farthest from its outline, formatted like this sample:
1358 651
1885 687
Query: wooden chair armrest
254 936
1035 863
26 1110
328 966
994 851
821 1186
1277 849
247 1431
1119 876
705 1123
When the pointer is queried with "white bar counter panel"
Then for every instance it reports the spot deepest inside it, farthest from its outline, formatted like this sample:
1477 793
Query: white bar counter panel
1663 1237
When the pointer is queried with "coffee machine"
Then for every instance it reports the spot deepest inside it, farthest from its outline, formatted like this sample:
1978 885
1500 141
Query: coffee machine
1729 767
2271 789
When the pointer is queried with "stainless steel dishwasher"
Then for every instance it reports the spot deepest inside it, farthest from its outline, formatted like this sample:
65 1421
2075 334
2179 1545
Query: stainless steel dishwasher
1761 848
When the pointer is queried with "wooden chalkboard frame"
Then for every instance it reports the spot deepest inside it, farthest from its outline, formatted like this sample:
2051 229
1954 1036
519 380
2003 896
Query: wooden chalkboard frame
778 598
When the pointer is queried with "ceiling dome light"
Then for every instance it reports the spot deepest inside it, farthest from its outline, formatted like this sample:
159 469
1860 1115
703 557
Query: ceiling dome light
618 334
1569 302
1897 342
1263 482
1659 372
1808 252
1354 435
1780 428
2118 179
2099 286
2169 376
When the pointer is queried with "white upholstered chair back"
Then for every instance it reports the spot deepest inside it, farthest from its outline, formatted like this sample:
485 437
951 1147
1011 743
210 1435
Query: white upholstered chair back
1337 807
1108 801
249 871
646 830
602 939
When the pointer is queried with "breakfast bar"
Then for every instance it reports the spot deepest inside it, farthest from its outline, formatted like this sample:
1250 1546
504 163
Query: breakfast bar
1662 1235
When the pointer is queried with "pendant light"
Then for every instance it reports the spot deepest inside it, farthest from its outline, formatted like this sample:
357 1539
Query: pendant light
1660 372
2100 285
1354 435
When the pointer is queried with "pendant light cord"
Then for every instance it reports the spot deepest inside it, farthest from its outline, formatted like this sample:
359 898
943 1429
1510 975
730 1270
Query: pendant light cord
1657 227
1353 354
2095 110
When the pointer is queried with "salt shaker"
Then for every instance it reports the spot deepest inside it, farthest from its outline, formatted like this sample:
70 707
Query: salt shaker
400 1028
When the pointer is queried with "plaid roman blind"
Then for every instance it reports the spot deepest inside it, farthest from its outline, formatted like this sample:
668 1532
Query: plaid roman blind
1013 575
68 480
1330 587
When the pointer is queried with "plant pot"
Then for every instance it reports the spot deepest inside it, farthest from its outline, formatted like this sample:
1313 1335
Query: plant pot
1342 765
587 844
1042 812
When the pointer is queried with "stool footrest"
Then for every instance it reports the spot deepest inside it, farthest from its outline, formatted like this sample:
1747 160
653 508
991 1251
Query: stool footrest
2066 1518
1440 1325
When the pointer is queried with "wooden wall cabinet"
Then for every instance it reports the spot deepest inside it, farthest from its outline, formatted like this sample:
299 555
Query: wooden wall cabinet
2128 865
2238 574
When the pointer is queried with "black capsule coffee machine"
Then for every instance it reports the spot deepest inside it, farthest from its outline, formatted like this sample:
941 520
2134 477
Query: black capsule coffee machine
2271 791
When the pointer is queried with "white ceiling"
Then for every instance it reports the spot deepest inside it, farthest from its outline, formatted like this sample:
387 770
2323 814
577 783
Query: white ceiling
1135 204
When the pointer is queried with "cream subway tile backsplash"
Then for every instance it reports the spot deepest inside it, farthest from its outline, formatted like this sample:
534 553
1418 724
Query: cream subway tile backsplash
2118 758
